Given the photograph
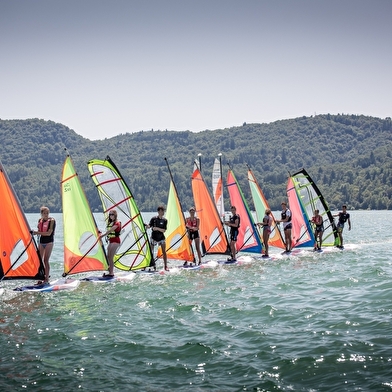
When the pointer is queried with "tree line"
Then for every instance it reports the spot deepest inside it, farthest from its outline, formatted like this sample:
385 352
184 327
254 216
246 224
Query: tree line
349 157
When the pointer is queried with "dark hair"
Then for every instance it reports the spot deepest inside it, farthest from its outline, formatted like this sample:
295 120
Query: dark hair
161 208
344 206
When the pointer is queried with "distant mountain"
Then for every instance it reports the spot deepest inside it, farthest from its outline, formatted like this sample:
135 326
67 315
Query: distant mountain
348 156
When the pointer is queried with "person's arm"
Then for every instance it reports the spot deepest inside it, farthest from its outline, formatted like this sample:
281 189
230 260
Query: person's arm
150 224
197 224
349 224
112 229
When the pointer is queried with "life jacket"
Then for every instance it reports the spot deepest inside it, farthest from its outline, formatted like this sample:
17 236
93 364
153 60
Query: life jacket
233 219
162 224
284 215
45 225
343 217
192 223
320 222
115 233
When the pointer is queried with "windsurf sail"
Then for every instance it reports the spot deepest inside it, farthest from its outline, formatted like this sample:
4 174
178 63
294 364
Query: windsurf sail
19 255
312 199
178 246
212 232
217 187
248 238
134 251
83 249
301 232
261 204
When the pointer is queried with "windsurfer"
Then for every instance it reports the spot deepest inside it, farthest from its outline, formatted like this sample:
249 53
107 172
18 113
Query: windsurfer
158 225
234 224
317 220
266 224
287 225
113 230
344 217
192 225
45 229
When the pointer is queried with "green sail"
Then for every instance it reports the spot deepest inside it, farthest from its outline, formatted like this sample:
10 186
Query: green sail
134 252
83 250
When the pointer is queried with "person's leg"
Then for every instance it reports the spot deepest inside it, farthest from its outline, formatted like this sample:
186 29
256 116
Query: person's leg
164 256
47 252
197 244
112 248
265 240
288 239
320 238
233 249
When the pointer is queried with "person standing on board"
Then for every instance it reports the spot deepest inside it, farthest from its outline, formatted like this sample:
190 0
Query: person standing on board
158 225
45 229
266 224
113 231
317 220
344 217
234 224
286 219
192 226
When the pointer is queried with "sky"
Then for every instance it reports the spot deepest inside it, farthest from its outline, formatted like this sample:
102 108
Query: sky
106 67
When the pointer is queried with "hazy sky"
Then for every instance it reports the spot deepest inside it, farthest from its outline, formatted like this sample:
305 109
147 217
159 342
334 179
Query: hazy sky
104 67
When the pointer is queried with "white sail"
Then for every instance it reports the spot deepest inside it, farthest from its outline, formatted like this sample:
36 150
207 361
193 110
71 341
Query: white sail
217 187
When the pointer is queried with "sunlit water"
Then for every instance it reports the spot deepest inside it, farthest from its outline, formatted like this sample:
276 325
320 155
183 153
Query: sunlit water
311 322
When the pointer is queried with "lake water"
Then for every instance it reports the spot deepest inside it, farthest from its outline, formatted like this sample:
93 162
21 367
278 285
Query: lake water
311 322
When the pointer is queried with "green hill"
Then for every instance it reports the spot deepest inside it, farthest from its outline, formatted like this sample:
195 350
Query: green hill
348 156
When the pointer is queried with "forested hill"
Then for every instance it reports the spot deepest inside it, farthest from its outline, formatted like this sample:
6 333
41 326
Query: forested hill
348 156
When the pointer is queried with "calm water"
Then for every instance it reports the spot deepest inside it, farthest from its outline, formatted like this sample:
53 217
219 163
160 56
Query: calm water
312 322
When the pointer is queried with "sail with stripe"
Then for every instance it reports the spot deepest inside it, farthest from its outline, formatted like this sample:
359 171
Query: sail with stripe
312 199
301 232
261 204
217 187
19 255
83 249
248 237
178 246
212 232
134 251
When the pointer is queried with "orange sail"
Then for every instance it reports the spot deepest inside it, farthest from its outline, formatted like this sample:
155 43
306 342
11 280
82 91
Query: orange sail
178 246
19 257
261 204
212 233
